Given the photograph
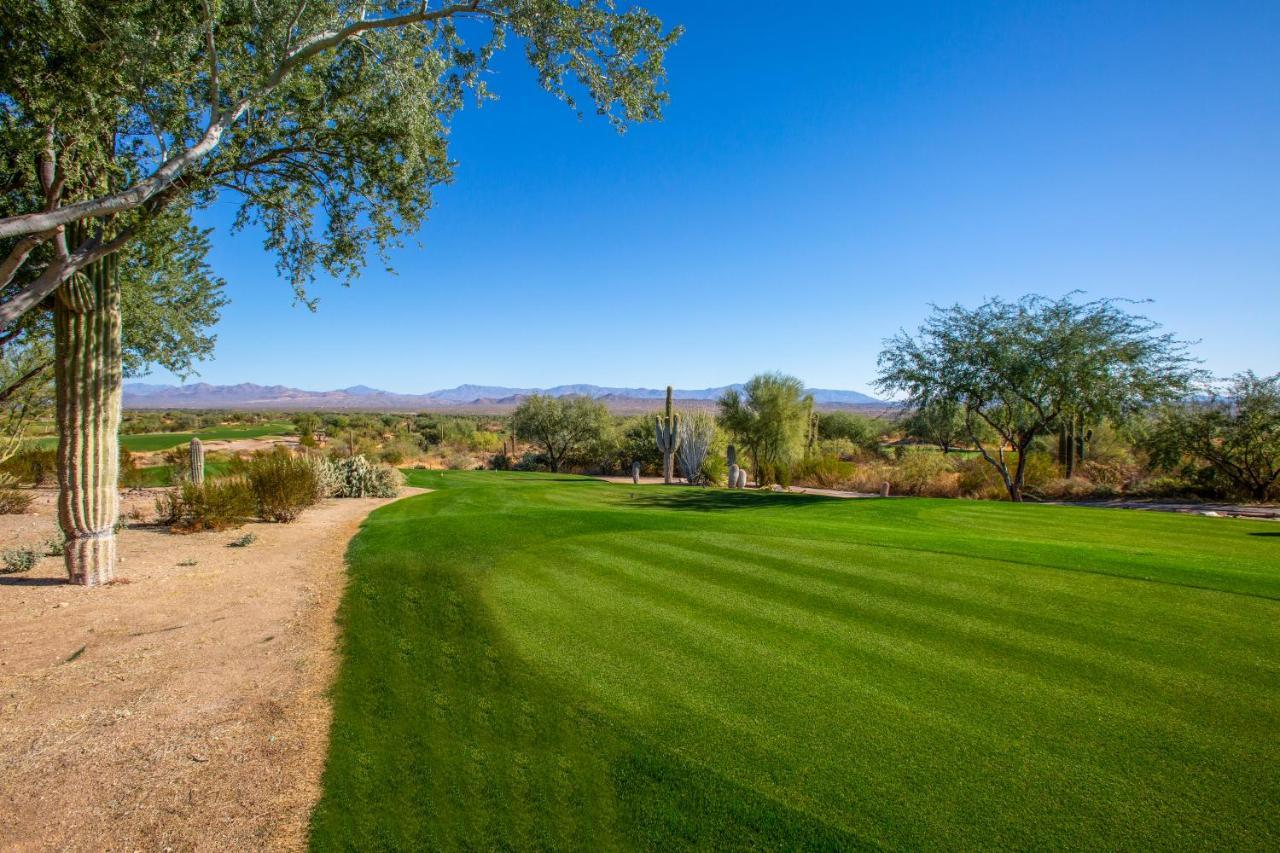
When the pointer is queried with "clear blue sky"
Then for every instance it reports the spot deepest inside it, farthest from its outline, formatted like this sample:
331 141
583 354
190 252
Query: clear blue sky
824 172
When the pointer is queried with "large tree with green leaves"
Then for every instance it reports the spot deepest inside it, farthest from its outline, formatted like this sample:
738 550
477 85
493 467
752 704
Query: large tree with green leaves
1018 368
565 429
1237 432
768 419
326 121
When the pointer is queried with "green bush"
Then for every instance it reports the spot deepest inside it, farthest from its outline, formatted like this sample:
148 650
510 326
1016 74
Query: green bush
32 465
18 560
825 472
979 479
12 499
357 477
283 485
924 472
213 505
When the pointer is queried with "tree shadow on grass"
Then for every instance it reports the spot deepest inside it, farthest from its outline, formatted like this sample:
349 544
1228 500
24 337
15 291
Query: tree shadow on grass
10 580
715 500
1275 533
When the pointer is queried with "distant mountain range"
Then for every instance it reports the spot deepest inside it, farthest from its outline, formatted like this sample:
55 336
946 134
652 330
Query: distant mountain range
246 395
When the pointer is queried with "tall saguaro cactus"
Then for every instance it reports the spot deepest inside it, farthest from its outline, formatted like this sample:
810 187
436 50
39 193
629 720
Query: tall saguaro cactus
197 461
87 371
668 434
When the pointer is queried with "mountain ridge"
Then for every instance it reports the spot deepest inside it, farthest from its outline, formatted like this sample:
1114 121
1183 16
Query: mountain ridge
203 395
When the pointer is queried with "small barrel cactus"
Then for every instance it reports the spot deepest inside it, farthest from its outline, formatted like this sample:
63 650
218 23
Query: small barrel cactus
635 473
742 478
668 435
733 475
197 461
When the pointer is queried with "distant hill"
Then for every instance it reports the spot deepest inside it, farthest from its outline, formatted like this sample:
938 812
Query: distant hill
469 398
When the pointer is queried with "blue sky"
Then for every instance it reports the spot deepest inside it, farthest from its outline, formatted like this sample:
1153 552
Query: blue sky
822 175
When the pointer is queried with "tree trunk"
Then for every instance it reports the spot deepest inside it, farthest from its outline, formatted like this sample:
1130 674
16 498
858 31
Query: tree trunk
87 368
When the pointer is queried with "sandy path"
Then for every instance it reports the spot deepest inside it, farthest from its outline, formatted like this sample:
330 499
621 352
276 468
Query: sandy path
183 710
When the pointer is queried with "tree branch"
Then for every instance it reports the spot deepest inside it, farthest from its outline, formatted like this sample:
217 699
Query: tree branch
22 380
213 60
219 123
56 273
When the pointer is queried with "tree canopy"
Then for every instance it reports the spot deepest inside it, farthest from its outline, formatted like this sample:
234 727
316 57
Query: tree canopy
326 120
563 428
1236 432
768 418
1020 367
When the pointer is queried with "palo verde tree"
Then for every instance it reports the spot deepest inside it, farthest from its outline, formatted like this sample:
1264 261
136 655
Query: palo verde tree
768 418
1237 432
325 120
1020 367
562 428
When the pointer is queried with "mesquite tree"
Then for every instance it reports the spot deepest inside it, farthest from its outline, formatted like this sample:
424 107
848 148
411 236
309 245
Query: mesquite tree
564 429
326 120
1017 368
1237 432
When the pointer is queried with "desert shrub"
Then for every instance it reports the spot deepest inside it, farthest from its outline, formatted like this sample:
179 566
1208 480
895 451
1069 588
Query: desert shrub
54 545
1074 489
18 560
283 484
531 460
869 476
327 480
213 505
979 479
32 465
1115 473
243 541
827 471
458 460
715 470
1165 486
397 450
500 461
359 478
926 473
13 500
482 441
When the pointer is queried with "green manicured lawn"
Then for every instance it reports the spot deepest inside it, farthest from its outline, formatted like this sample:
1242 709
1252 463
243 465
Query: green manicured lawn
536 661
153 476
146 442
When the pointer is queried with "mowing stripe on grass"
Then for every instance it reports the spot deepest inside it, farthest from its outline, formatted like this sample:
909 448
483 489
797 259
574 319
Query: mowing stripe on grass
549 661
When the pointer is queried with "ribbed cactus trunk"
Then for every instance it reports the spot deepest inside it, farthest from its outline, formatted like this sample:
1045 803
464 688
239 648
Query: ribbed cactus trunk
668 435
197 461
87 371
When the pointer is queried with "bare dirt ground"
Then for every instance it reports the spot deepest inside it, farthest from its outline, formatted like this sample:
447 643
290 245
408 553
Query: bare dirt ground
182 710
